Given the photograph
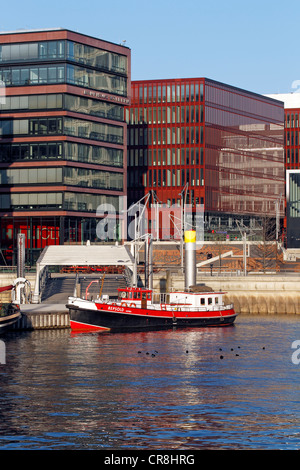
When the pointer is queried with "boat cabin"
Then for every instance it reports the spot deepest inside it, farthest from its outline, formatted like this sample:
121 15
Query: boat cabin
203 299
134 294
142 297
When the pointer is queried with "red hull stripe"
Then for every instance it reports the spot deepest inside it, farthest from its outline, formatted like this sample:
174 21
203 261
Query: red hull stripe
78 326
165 313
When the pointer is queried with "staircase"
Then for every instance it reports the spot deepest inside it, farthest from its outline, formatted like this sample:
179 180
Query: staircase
58 289
110 286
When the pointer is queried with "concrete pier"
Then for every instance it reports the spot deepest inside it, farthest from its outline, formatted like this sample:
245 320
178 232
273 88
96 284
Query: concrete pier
43 317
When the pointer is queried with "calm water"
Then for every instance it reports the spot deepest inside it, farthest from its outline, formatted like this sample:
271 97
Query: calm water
155 390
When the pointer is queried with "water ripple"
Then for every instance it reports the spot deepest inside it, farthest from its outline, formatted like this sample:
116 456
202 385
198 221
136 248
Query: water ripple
231 388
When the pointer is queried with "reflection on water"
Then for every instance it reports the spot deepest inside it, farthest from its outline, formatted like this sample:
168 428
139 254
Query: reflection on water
215 388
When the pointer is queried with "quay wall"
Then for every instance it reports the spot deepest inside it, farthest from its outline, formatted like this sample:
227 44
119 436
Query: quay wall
253 294
43 321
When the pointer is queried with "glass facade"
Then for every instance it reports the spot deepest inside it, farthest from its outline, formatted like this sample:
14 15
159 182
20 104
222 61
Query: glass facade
166 140
244 154
292 164
97 69
64 50
62 150
222 143
71 201
71 74
293 208
42 231
61 125
292 138
66 102
63 144
85 178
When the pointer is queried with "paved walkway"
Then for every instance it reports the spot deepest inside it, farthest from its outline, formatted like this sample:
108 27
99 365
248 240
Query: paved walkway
43 308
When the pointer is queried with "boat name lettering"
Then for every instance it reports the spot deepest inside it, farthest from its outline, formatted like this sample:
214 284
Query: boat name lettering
118 309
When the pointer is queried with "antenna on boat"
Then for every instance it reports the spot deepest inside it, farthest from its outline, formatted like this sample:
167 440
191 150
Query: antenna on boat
102 283
148 261
156 202
147 237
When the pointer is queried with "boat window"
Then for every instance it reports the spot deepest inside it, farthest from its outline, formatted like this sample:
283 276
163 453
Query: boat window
216 300
202 301
130 295
149 296
144 295
135 295
209 300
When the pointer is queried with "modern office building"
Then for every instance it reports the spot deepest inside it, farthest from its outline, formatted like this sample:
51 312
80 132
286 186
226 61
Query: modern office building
63 139
224 144
292 164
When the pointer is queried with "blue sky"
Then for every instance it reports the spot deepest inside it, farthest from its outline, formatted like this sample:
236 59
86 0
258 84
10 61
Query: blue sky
252 45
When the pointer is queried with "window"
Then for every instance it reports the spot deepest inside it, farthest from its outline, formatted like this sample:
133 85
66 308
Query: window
34 76
97 58
42 126
43 75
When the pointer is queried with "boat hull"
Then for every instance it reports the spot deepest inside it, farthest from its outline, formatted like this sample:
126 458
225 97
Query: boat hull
9 315
116 318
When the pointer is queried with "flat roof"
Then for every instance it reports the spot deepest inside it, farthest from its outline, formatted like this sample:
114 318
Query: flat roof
38 30
206 80
290 100
86 255
82 255
45 30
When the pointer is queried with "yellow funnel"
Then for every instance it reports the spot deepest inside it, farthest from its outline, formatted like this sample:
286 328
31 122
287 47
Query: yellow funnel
190 236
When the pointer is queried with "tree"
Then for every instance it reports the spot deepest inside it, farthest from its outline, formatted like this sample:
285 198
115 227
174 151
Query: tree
266 251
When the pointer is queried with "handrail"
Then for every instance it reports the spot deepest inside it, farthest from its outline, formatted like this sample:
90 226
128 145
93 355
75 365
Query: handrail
184 308
44 274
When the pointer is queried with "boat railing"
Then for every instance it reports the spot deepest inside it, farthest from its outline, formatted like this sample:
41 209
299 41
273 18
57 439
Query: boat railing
191 308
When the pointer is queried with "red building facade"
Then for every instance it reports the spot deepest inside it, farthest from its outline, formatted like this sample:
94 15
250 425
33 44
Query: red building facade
222 143
292 165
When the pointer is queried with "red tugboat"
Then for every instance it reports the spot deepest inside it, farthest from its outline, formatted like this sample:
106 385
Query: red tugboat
141 309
